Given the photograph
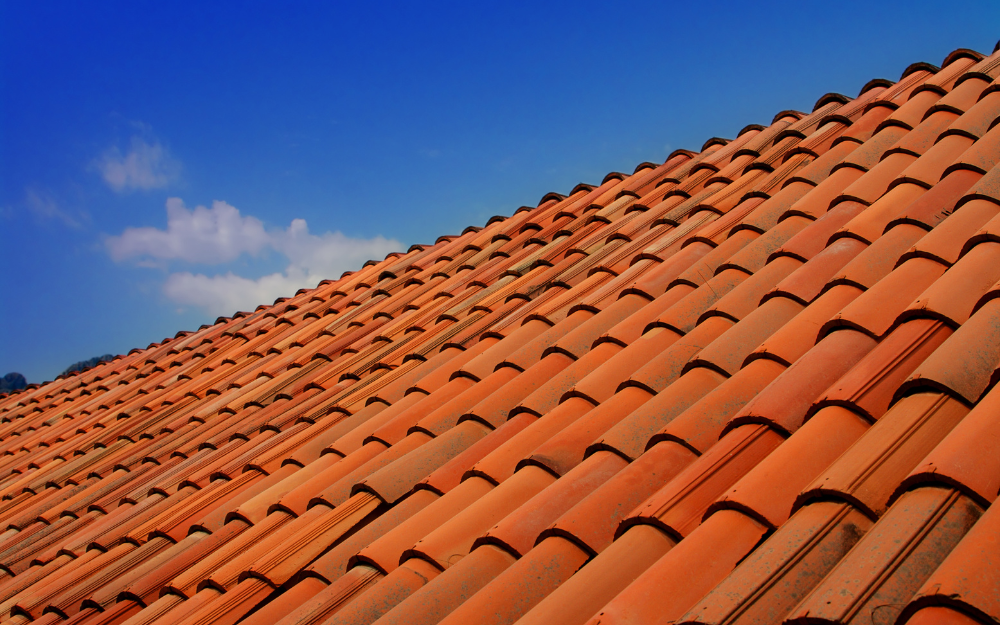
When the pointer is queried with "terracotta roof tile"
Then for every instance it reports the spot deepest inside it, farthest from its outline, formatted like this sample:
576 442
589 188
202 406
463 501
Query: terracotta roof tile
865 475
779 573
967 578
922 527
602 579
761 373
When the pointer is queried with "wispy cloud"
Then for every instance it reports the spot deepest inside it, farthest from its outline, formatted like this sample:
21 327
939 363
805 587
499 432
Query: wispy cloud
44 207
220 234
146 164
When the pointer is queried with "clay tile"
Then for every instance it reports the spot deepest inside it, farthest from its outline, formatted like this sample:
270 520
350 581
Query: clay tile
683 316
332 483
805 283
969 57
566 449
395 480
917 73
449 475
766 137
552 392
440 376
518 531
633 327
311 596
869 224
701 271
861 131
935 205
952 297
690 569
768 491
444 418
982 156
830 98
578 341
799 334
752 257
785 403
482 365
679 506
964 365
629 438
882 573
743 299
870 153
817 202
454 539
965 581
773 578
870 386
394 429
701 423
968 458
867 474
530 353
814 238
977 120
873 184
877 260
821 168
965 94
552 195
666 368
495 409
787 113
384 553
764 217
970 224
909 115
402 582
593 586
727 353
592 522
988 188
926 134
520 587
877 309
727 148
332 565
718 232
603 381
543 315
954 65
939 615
499 464
989 65
656 281
929 168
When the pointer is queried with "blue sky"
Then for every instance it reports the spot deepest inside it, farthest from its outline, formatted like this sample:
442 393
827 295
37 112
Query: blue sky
162 164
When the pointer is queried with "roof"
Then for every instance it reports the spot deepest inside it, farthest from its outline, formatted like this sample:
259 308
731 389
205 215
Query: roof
752 384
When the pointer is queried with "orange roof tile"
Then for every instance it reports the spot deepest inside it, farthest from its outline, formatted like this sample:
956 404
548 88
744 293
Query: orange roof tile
761 376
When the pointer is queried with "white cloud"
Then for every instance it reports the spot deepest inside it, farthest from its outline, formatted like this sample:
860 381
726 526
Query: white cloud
203 235
227 293
329 254
146 165
221 234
